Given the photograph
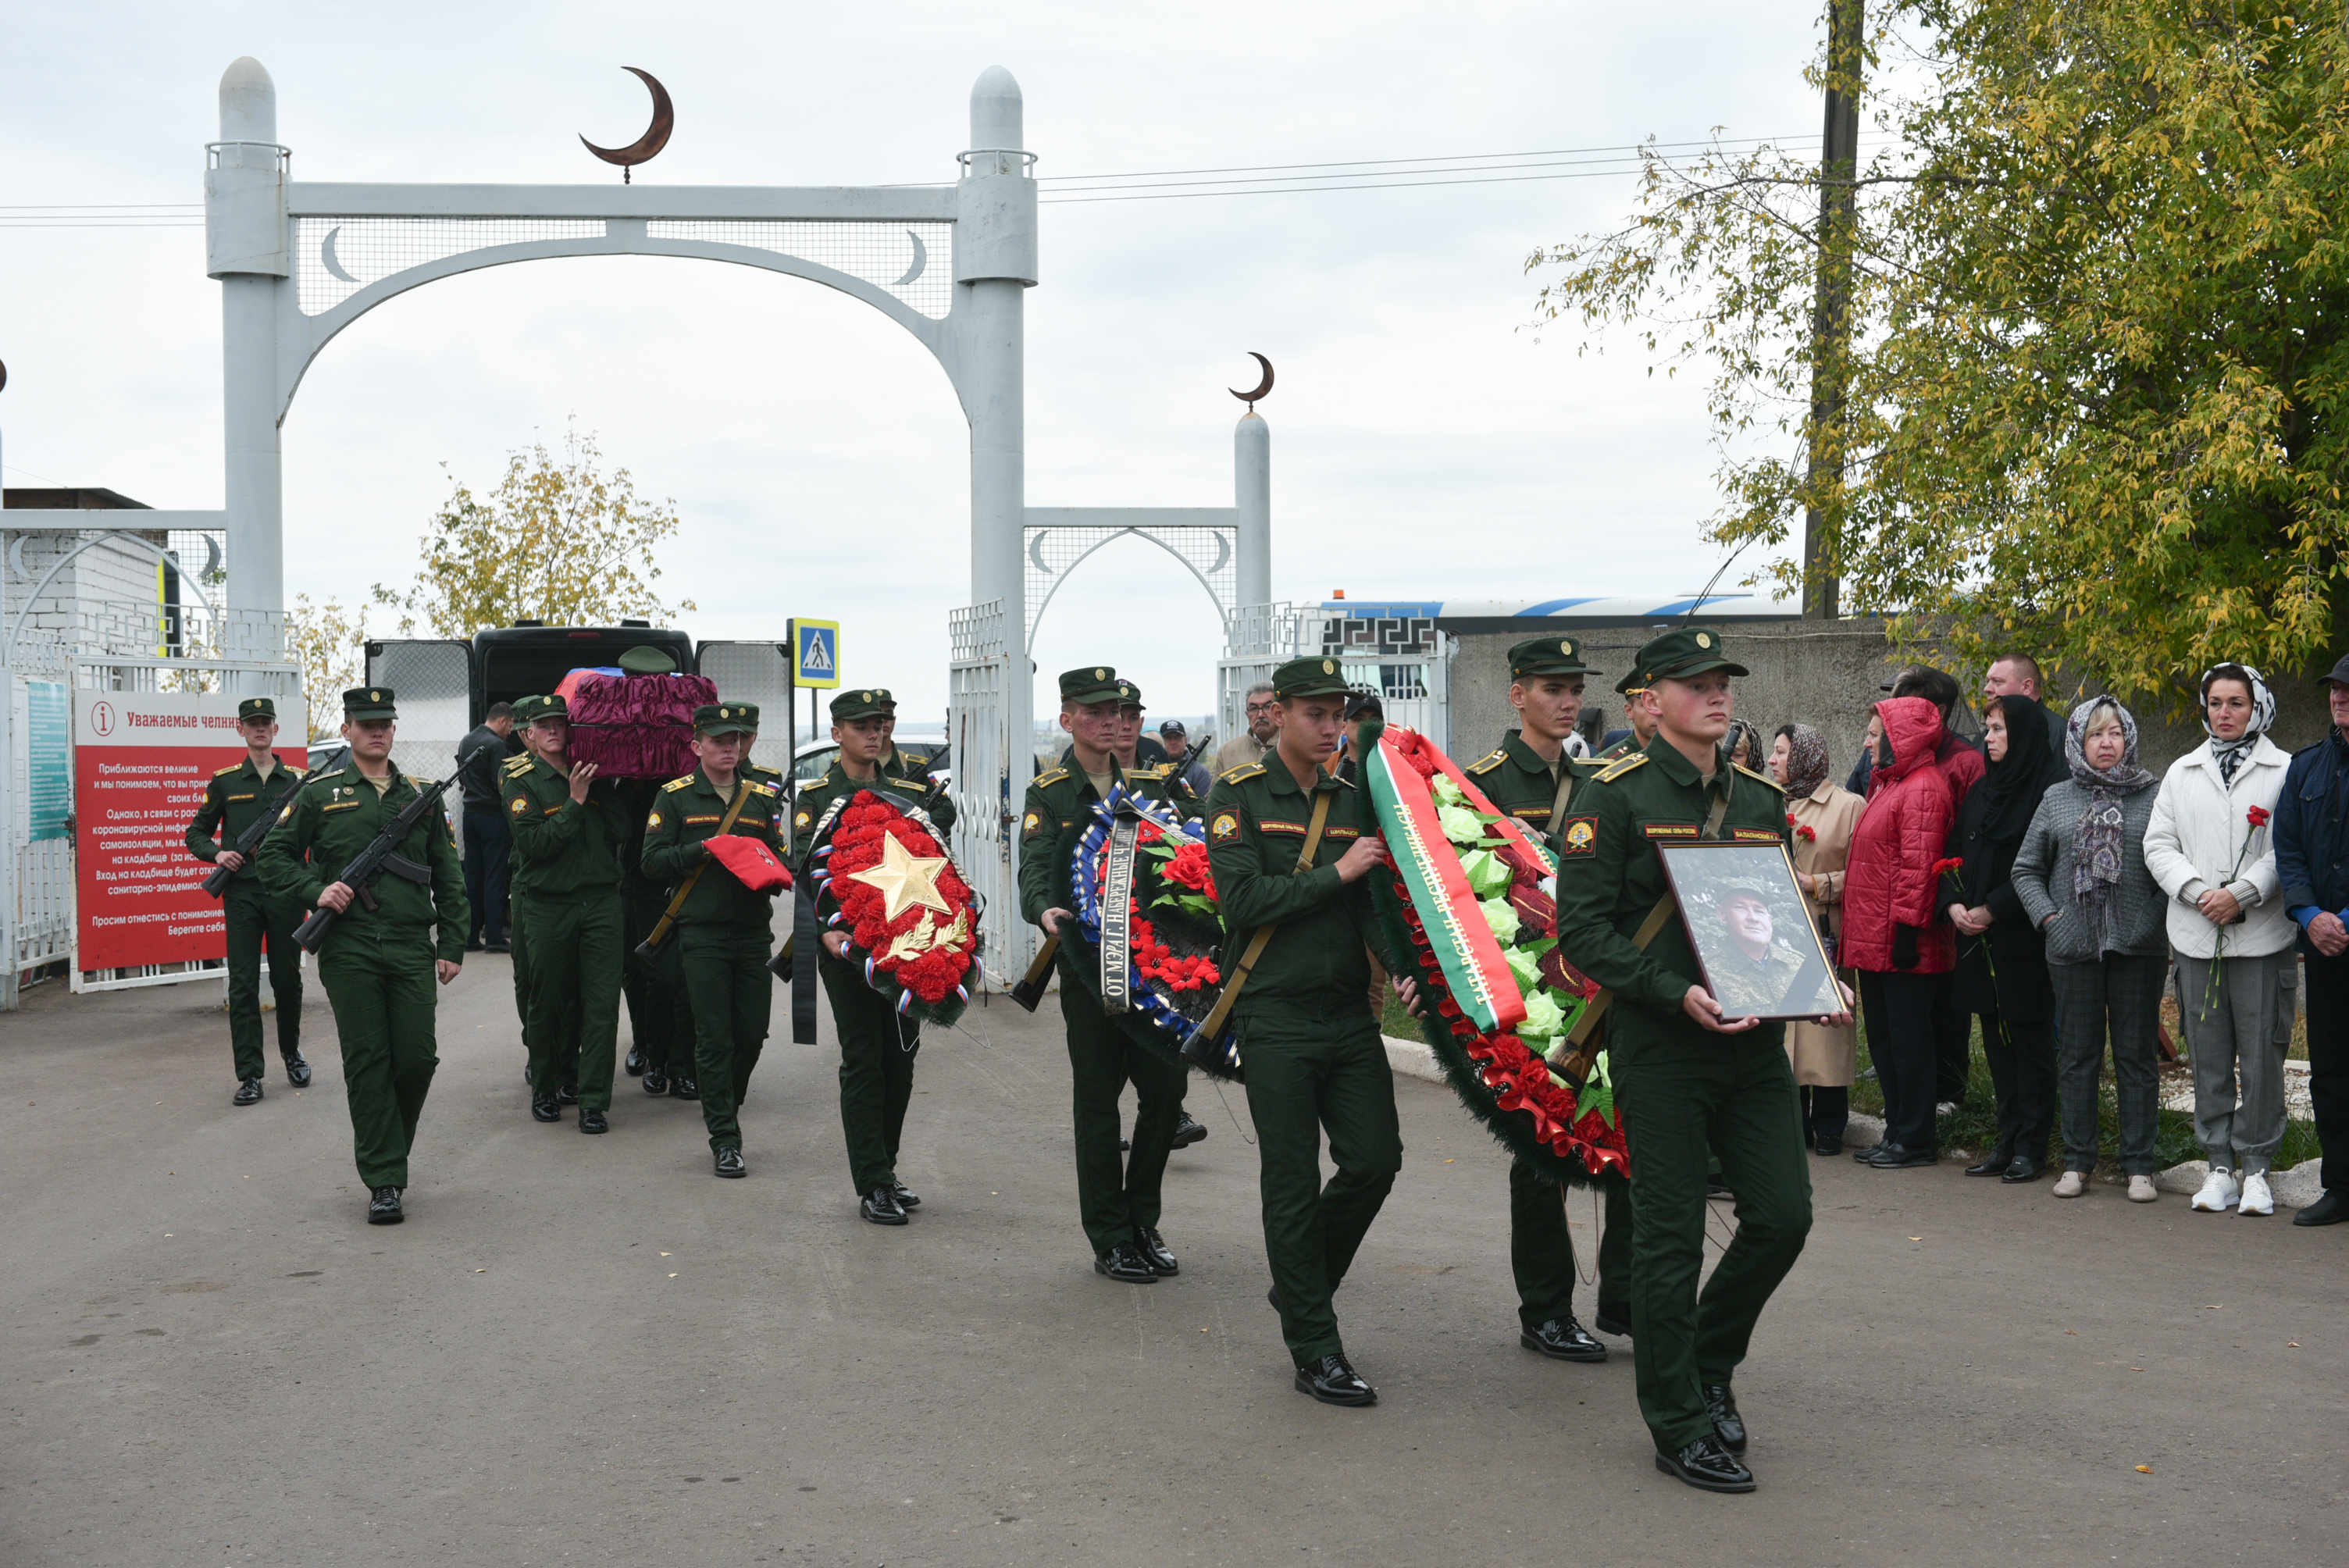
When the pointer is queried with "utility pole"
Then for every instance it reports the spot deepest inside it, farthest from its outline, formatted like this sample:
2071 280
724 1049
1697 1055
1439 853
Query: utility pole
1831 313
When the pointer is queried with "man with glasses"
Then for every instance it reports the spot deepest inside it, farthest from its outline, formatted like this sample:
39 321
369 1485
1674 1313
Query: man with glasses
1263 728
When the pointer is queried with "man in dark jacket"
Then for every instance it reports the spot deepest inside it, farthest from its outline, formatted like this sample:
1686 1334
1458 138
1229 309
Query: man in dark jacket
488 841
2312 847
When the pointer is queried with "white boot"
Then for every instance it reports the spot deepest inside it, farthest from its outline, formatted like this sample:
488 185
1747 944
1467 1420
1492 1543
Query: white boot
2142 1190
2257 1199
2070 1184
2219 1192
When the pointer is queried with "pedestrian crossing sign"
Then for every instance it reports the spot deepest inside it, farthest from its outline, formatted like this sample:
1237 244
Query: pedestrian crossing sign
815 660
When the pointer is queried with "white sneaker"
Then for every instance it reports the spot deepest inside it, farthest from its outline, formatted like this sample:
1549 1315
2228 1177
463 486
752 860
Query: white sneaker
2142 1190
2218 1192
2257 1199
2070 1184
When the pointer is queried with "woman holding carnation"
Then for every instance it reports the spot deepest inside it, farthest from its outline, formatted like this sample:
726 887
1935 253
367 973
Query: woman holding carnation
2208 846
2082 876
1893 931
2001 957
1823 815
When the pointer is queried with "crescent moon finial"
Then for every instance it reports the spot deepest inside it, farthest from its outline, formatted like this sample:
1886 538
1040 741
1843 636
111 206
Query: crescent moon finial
1262 388
646 147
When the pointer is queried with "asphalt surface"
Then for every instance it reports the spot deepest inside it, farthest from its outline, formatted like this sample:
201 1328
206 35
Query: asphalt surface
586 1350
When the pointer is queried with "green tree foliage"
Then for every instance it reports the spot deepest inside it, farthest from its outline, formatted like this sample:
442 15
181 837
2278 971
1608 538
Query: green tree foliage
330 642
558 541
2099 299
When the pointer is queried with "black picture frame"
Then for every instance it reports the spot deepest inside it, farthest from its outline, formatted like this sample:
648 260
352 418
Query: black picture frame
1794 978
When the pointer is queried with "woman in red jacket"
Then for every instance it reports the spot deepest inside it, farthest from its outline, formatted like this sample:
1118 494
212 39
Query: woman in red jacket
1894 932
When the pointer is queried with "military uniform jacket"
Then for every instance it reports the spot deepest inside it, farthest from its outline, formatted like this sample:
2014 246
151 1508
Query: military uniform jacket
687 811
337 813
906 773
1317 960
1610 876
1059 803
1516 780
561 848
233 798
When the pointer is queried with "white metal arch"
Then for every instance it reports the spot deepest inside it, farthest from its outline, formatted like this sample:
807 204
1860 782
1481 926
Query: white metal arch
1223 611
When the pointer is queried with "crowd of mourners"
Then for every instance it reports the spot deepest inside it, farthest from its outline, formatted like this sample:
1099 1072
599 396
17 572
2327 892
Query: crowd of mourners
2039 881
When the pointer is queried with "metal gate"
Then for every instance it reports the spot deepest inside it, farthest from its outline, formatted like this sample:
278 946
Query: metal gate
1403 659
983 810
432 686
758 672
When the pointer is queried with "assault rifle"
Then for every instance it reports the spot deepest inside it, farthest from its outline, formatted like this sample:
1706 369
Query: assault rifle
216 883
381 856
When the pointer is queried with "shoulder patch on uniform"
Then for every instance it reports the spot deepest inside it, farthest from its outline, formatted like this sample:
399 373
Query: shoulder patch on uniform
1579 836
224 772
1245 770
676 783
1226 825
1759 778
1050 776
1620 766
1487 763
520 804
1031 826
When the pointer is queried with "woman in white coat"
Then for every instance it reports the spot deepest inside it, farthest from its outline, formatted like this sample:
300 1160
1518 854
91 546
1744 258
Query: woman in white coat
2210 848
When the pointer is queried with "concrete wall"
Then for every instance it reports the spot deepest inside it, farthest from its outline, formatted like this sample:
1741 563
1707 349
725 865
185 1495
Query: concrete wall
1824 675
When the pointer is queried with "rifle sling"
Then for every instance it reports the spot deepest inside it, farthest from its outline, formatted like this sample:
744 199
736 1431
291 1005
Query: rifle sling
685 889
1212 1025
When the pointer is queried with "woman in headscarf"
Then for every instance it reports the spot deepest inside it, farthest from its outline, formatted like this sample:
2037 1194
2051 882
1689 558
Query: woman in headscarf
2082 876
1822 815
2210 848
1744 743
2001 957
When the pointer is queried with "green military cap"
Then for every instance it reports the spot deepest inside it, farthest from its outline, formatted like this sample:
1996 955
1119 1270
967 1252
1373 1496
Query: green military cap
529 711
1095 683
727 719
1309 677
256 708
1685 651
368 702
1130 695
1547 656
647 661
870 702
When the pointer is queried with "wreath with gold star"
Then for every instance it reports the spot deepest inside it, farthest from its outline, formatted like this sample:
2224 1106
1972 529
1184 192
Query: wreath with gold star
881 876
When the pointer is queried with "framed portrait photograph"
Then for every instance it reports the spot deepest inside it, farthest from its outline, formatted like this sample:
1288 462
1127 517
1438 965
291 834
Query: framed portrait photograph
1753 935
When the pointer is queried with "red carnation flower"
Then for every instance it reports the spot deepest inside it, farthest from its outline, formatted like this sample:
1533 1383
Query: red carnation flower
2258 816
1806 832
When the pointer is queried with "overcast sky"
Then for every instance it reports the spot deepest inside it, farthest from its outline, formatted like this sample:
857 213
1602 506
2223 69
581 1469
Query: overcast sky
1424 443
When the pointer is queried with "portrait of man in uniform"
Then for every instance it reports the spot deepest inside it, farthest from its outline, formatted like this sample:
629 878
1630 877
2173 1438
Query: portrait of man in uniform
1760 957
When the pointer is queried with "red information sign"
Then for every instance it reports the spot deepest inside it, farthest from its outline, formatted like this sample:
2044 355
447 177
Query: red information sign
141 760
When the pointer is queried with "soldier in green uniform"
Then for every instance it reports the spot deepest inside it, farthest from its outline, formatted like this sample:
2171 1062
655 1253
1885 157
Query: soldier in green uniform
236 795
1530 777
1641 723
1309 1042
378 965
661 1028
1694 1078
568 827
724 930
876 1044
1117 1203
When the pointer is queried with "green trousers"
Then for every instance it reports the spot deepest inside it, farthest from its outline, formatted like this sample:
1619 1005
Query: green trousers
876 1071
384 992
256 920
731 991
659 1024
1684 1100
1306 1074
1541 1248
1117 1193
572 1021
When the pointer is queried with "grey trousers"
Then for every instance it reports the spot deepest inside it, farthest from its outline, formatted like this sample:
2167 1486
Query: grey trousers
2120 993
2238 1015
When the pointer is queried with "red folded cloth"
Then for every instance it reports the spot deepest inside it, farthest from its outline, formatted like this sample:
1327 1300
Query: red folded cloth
754 865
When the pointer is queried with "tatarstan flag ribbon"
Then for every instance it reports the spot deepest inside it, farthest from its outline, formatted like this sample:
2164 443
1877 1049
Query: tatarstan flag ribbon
1463 940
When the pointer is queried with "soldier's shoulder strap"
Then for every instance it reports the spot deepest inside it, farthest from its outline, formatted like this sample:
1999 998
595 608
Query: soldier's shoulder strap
1760 778
224 772
1485 764
1050 776
1245 771
1620 766
322 773
676 784
517 765
917 758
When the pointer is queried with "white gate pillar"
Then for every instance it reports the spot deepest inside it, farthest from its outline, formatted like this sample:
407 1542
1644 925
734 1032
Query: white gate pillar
995 260
244 244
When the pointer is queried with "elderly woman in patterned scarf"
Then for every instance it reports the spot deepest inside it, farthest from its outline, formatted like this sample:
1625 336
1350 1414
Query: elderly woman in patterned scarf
2082 876
1822 815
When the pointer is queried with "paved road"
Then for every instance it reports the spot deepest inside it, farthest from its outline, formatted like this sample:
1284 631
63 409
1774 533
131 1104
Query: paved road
589 1351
